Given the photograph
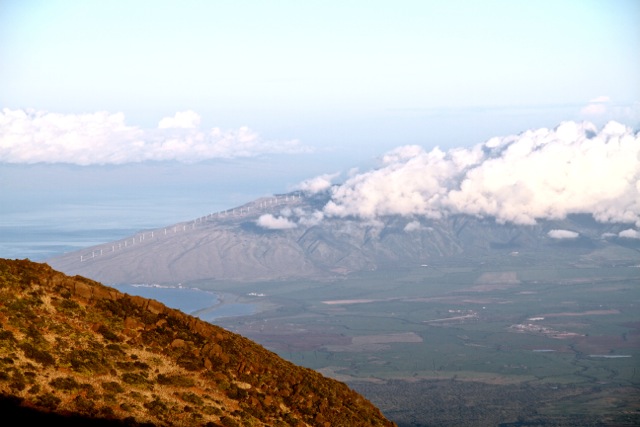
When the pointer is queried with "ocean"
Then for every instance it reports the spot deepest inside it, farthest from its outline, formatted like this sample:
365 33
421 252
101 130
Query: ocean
40 232
46 210
48 228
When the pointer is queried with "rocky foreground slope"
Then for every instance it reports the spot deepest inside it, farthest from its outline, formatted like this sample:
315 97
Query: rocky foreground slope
75 351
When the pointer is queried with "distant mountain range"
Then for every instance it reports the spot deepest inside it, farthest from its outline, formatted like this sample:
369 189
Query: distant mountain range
287 237
74 352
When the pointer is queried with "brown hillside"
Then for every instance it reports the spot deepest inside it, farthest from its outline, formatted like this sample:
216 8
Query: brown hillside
73 348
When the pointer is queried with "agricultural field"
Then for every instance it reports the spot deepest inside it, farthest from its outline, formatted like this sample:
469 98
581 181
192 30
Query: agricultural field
510 341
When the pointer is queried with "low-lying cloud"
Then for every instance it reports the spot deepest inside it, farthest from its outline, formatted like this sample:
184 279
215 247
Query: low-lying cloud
629 234
318 184
413 226
28 136
563 234
538 174
271 222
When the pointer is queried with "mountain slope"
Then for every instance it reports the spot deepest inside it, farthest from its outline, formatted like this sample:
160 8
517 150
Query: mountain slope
285 237
73 348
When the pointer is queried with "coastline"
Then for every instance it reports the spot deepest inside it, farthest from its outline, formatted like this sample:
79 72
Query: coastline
233 305
208 305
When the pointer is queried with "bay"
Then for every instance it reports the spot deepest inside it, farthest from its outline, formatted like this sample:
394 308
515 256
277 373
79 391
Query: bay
205 305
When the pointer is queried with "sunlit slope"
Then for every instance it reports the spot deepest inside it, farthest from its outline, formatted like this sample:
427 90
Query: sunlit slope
73 347
287 236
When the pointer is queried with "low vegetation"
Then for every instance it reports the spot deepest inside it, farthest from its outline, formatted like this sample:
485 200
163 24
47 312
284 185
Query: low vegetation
73 348
513 340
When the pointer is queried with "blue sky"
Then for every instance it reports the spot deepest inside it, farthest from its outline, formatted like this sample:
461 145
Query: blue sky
330 73
246 98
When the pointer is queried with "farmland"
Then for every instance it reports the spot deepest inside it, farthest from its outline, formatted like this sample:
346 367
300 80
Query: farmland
511 340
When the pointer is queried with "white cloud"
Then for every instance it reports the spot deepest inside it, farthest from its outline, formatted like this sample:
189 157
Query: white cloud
185 119
630 234
271 222
543 173
317 184
28 136
413 226
563 234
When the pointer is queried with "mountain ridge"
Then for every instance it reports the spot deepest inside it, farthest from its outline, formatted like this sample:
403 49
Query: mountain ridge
287 237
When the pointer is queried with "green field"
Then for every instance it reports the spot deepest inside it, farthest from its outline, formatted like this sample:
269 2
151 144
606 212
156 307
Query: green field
500 341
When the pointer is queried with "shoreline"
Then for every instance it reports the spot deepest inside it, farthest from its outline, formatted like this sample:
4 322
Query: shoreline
224 304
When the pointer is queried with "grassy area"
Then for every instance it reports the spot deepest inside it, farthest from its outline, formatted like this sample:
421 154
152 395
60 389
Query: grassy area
501 323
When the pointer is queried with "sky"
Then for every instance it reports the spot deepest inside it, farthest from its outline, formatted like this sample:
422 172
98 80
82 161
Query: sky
208 104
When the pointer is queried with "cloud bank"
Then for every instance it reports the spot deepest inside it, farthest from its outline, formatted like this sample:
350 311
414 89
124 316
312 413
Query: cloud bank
538 174
28 137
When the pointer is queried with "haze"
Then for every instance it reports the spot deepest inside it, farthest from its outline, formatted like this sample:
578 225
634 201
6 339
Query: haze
185 108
